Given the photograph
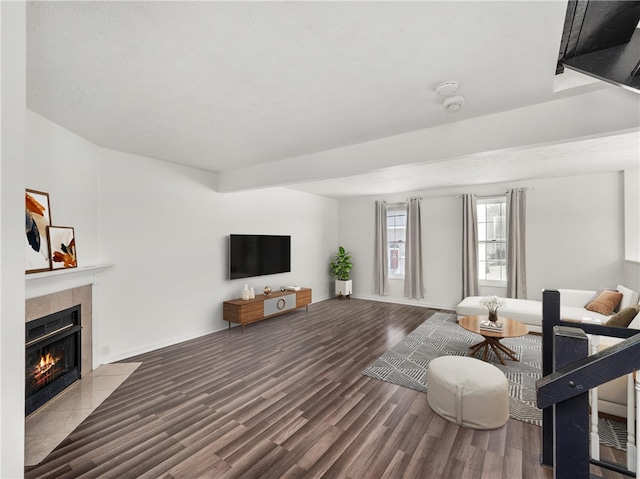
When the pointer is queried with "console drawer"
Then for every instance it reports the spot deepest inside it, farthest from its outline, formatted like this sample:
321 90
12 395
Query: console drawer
279 304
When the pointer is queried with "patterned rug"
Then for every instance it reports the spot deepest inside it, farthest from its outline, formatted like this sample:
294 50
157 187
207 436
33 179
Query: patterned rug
406 365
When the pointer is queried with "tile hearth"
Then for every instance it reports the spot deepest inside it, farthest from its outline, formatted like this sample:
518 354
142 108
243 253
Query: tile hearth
52 423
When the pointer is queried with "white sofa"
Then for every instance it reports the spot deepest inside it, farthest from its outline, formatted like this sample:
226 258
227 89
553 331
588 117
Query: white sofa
612 396
529 312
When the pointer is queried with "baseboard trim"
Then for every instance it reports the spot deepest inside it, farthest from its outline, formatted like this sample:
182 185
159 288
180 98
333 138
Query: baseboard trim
407 302
155 346
112 358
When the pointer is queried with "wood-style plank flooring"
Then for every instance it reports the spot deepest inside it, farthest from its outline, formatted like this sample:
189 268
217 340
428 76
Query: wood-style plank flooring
286 400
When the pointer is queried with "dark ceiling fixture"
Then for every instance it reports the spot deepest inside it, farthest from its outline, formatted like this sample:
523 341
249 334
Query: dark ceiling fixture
601 39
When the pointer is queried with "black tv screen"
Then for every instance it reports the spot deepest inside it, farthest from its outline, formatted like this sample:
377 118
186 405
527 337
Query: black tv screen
258 255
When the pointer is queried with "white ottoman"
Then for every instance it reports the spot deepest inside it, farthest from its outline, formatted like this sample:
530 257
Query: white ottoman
468 391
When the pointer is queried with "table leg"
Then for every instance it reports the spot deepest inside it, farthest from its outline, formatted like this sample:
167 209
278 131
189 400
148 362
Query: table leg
476 347
485 354
496 346
497 353
508 351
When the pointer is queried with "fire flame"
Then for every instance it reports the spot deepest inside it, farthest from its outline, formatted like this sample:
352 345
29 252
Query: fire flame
40 371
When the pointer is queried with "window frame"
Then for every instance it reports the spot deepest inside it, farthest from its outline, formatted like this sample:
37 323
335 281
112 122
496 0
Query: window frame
482 201
391 209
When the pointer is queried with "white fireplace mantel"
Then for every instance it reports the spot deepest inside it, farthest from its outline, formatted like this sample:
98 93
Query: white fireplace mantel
47 282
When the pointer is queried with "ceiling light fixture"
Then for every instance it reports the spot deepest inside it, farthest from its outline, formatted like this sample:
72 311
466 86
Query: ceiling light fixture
447 88
453 103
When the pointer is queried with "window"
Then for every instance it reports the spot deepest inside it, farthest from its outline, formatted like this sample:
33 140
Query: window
492 240
396 239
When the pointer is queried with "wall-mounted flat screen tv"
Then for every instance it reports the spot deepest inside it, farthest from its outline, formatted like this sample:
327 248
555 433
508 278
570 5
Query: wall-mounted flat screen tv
258 255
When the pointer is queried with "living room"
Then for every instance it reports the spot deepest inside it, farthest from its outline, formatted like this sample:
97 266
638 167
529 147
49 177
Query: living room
160 229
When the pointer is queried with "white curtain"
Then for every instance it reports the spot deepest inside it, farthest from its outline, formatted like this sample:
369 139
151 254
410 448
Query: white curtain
469 246
380 260
413 277
516 263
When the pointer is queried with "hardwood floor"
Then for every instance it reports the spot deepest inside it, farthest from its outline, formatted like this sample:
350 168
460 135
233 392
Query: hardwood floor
286 400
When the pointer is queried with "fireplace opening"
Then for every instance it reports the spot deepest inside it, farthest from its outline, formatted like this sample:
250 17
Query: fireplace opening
52 356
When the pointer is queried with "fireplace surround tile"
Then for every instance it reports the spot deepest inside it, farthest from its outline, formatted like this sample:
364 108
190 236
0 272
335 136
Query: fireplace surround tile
36 308
61 300
82 295
40 306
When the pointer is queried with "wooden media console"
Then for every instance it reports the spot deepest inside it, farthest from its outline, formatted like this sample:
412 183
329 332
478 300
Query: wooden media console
263 306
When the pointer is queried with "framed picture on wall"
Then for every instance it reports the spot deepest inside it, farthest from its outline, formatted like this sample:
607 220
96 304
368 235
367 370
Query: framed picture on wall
38 219
63 247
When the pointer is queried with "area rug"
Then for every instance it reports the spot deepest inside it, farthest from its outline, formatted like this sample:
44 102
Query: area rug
407 362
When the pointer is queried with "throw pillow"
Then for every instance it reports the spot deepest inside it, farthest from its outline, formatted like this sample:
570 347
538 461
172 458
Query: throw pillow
598 293
605 303
624 317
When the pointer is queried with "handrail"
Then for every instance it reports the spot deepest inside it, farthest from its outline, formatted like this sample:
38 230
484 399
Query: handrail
568 375
551 318
590 372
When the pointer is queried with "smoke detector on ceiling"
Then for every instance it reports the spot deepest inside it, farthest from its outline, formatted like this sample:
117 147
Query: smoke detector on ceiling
447 88
453 103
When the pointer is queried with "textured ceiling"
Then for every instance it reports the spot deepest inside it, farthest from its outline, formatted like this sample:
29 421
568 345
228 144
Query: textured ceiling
229 85
597 155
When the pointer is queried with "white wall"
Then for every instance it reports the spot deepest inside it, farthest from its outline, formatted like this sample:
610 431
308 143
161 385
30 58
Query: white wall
574 237
442 261
632 228
65 166
575 233
165 229
12 259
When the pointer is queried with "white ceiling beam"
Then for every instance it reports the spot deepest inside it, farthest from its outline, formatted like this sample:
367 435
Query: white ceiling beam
597 113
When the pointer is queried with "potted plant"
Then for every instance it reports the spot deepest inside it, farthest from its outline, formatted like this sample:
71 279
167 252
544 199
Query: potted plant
341 271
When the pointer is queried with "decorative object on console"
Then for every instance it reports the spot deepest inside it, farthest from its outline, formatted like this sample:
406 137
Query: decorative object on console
267 290
245 292
492 303
62 242
341 270
38 218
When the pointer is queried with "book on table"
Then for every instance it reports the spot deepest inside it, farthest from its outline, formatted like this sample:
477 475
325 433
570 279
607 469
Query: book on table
496 326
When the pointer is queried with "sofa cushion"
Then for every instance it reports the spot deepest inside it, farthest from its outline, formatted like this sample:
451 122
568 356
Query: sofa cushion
523 310
623 318
581 314
635 323
629 297
605 303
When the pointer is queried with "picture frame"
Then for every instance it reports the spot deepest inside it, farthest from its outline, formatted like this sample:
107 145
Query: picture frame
38 219
62 241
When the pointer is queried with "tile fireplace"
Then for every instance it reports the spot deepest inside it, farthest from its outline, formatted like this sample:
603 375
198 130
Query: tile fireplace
64 315
52 356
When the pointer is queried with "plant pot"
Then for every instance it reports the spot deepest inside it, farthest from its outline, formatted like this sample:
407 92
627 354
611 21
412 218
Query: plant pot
493 316
343 288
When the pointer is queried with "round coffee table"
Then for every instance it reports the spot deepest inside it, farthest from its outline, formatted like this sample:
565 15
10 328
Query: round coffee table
512 329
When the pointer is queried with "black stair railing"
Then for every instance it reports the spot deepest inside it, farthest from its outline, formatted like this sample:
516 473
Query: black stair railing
568 374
